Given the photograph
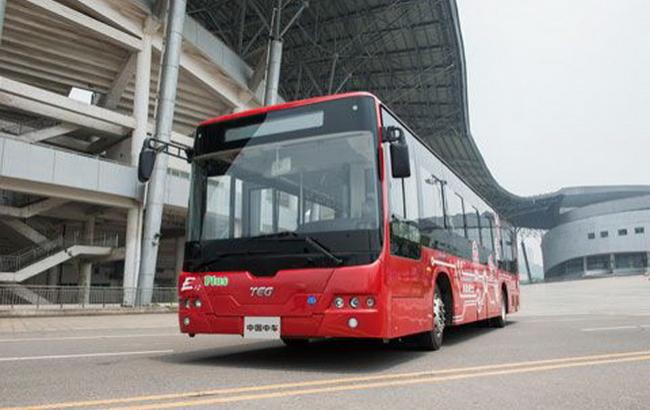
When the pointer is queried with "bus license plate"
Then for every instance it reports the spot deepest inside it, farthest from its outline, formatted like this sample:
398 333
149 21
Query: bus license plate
262 327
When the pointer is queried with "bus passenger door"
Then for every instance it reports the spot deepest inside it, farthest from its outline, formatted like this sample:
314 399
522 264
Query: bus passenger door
409 281
405 265
405 262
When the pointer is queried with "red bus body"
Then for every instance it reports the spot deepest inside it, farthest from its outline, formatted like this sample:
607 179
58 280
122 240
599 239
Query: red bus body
402 288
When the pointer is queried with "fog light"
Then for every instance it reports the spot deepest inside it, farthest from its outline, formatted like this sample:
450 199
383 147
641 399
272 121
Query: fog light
354 302
339 302
198 303
186 321
187 303
353 323
370 302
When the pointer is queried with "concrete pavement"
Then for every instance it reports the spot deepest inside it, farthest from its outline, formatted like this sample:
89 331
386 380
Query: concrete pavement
596 357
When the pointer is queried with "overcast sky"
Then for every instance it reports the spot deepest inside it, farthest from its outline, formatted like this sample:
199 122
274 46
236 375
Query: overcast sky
559 90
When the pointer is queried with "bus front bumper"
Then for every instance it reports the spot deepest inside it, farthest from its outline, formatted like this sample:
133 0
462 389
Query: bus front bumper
361 323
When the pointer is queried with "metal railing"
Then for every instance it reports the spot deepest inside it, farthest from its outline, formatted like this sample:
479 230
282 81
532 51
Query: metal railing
75 297
25 257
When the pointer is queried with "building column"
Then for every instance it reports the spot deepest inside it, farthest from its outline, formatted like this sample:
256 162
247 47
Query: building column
273 72
164 122
612 263
141 92
274 61
86 267
584 265
132 255
141 116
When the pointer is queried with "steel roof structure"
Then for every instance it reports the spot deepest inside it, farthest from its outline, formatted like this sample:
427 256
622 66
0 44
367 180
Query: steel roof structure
407 52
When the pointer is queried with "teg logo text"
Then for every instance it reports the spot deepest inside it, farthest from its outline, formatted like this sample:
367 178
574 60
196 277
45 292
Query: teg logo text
266 291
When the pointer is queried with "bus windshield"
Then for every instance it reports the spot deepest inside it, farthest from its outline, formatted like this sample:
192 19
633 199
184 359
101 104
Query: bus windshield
286 185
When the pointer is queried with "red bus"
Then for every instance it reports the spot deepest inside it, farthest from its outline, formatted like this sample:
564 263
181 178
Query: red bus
329 217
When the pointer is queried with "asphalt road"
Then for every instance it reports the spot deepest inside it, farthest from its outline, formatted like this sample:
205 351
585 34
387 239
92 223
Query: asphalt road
589 348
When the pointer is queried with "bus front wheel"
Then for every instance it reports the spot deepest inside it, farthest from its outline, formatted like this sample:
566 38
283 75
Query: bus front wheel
432 340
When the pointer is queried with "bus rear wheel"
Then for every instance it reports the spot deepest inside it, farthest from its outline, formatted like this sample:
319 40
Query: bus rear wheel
502 319
432 340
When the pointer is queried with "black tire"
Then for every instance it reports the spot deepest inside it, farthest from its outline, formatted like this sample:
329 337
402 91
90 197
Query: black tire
502 319
432 340
294 342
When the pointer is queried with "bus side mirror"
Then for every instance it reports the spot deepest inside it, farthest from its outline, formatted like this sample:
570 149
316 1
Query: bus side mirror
150 149
399 152
399 160
146 162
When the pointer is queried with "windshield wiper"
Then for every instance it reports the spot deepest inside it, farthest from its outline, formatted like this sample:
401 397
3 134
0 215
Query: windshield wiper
317 245
289 235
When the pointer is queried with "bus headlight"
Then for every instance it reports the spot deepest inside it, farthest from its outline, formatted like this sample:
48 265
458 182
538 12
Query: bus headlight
339 302
187 303
186 321
197 303
354 302
370 302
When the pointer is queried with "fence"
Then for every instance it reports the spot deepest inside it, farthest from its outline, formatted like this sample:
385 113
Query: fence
27 256
62 297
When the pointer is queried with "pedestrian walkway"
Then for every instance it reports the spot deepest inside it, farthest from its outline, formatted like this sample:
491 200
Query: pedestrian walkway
69 323
617 295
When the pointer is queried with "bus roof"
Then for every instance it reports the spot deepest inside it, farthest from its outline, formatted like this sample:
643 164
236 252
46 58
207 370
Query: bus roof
286 105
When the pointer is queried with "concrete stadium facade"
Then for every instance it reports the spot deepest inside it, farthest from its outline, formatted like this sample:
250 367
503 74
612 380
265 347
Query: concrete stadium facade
78 96
610 237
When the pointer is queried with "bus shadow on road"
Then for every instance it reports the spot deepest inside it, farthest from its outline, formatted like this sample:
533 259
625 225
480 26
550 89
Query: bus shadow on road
465 333
332 355
359 356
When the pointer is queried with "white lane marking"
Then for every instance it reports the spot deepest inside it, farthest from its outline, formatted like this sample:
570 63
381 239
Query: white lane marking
37 339
603 329
83 355
577 319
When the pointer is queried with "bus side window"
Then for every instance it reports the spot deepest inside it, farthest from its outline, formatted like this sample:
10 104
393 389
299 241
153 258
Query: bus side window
403 202
455 213
473 226
404 230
